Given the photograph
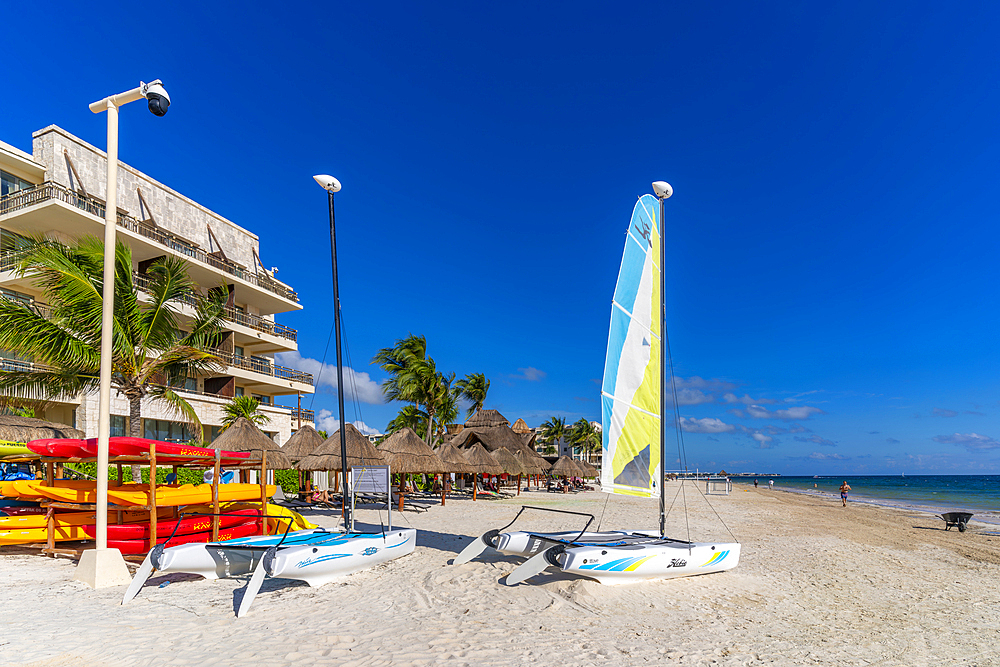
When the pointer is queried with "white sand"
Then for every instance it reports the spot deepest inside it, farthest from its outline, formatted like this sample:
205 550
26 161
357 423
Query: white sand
817 584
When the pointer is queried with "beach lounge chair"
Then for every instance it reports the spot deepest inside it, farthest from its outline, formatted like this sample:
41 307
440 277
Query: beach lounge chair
413 503
279 498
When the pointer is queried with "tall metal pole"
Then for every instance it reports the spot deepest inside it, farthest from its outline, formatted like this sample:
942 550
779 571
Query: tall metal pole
107 315
663 378
340 367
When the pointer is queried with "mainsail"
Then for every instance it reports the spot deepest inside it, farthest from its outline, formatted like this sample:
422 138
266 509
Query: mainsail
630 394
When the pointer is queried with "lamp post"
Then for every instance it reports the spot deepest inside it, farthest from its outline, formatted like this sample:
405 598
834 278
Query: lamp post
663 192
332 185
102 566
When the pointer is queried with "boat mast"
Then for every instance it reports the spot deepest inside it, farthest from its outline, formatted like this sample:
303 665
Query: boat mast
331 185
663 190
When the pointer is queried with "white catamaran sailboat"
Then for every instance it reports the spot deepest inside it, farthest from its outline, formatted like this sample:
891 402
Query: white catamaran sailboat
633 411
313 556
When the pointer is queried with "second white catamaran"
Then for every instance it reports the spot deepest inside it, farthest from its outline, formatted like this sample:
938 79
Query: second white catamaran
634 410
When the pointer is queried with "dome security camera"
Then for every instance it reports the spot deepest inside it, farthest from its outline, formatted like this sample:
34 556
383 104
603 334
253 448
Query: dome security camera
156 95
662 190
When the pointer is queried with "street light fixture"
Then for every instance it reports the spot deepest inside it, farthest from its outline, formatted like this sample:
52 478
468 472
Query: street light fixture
102 567
332 185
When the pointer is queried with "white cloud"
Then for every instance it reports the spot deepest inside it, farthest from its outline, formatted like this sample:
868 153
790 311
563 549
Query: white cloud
795 413
693 397
971 441
730 397
819 456
706 425
530 374
696 382
329 422
763 441
357 386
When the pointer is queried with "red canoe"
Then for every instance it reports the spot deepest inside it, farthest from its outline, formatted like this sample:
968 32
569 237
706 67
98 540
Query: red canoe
142 546
185 526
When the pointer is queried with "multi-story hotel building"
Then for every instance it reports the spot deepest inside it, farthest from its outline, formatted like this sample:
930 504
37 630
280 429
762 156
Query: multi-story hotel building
58 192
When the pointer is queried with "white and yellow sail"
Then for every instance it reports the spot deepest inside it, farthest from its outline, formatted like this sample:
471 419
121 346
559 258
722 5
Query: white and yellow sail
630 394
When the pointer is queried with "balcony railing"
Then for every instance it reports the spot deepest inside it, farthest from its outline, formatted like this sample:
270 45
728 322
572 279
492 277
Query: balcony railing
307 415
262 366
49 191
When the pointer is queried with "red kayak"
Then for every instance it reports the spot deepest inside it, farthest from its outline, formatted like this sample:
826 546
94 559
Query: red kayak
185 526
166 452
64 448
142 546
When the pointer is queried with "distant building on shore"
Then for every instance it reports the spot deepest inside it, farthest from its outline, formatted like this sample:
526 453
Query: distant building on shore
58 192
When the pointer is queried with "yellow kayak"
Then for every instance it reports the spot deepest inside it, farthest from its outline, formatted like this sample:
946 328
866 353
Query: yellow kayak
29 535
26 489
66 519
187 494
9 448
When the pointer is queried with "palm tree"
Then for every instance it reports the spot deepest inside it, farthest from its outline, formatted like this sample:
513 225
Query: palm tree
151 351
408 417
585 435
473 388
243 406
399 361
553 431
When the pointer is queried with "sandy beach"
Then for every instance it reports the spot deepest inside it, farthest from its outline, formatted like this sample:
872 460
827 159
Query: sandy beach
817 584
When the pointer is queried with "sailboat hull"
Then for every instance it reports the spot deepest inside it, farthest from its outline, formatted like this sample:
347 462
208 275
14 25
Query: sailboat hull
631 564
527 544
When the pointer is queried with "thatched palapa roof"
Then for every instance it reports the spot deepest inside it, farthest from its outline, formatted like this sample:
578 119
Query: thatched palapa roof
302 443
327 456
532 464
588 469
453 459
510 464
520 427
481 461
487 418
567 467
26 429
407 453
244 436
492 438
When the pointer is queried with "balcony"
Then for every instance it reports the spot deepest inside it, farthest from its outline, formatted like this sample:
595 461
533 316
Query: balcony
307 415
50 191
254 322
263 367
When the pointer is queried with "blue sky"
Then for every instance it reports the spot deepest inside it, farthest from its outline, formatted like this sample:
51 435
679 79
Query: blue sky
832 237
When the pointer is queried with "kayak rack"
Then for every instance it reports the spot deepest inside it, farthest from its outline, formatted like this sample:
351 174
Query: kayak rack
197 461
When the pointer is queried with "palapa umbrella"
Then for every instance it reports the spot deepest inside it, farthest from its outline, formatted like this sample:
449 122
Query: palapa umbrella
566 467
408 454
482 463
588 469
510 464
327 456
533 465
26 429
244 436
302 443
453 459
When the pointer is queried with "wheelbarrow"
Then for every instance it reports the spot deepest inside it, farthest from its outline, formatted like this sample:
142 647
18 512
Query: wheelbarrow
960 519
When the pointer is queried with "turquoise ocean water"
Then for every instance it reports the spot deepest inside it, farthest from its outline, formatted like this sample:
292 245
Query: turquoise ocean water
979 494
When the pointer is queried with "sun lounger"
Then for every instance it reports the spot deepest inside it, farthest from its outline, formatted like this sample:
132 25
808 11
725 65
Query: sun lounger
412 503
279 498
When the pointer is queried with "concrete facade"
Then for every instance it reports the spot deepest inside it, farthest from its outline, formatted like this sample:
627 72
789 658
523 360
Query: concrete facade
62 197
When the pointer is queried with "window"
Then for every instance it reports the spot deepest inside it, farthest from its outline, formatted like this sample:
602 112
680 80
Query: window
9 183
264 400
237 351
118 425
12 242
239 391
168 431
11 295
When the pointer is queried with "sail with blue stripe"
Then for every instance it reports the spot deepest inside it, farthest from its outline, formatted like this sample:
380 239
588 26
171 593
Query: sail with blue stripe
630 393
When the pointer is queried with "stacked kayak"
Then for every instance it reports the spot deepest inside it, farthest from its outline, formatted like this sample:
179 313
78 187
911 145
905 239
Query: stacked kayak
133 494
12 448
30 528
166 452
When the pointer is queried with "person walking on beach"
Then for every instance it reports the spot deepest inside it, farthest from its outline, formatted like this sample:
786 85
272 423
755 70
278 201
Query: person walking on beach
844 488
770 484
755 484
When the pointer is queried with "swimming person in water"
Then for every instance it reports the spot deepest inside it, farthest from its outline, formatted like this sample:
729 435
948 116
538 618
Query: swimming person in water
844 488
